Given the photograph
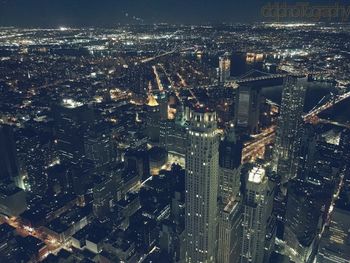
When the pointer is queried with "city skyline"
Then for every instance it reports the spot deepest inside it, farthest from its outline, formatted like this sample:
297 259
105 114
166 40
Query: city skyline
198 140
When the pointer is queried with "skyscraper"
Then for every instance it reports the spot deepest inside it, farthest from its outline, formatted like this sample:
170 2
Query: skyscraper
229 204
104 193
335 242
99 148
153 119
72 119
8 156
303 215
288 135
345 147
201 184
229 232
224 68
137 160
163 106
247 111
257 219
173 136
230 156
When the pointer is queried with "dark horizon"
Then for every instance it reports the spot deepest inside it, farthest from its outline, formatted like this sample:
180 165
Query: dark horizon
108 13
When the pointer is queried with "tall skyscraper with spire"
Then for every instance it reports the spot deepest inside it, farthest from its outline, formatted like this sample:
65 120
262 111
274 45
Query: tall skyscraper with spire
288 135
202 168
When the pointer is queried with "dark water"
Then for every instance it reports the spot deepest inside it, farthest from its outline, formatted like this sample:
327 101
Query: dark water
314 93
340 112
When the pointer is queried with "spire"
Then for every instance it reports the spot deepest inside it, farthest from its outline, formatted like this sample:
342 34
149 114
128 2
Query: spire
152 101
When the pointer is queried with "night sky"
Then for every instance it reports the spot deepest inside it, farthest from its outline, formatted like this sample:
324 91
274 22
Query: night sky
30 13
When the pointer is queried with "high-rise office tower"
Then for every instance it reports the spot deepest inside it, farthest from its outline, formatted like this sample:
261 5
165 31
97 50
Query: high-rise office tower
229 204
173 137
230 155
8 156
164 123
35 154
153 119
257 217
201 184
288 135
163 106
104 193
307 150
229 232
224 68
247 113
136 78
99 147
79 176
12 199
334 245
169 241
137 160
303 217
72 119
345 147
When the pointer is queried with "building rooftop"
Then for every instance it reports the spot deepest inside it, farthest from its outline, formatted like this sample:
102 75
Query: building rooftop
71 104
335 242
256 175
8 189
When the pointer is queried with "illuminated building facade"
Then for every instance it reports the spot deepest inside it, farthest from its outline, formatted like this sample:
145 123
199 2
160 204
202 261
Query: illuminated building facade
288 135
335 242
224 68
303 217
201 184
153 119
257 211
